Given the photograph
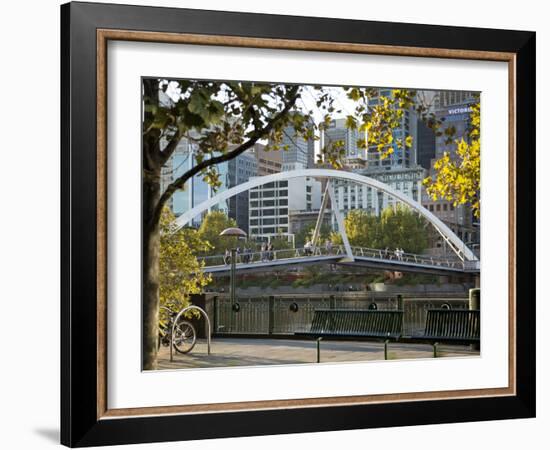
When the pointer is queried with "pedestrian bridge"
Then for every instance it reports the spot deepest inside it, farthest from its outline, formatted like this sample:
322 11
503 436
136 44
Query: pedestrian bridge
362 257
449 237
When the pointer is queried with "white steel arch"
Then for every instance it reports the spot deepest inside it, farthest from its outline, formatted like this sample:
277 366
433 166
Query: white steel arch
444 230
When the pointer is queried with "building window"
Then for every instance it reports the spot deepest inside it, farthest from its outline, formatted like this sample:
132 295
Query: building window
254 222
445 207
283 193
254 194
269 212
438 207
283 202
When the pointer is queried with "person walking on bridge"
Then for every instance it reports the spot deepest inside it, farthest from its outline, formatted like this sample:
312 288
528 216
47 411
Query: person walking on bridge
227 257
307 248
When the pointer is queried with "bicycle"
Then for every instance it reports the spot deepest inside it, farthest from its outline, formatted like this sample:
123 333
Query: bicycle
185 334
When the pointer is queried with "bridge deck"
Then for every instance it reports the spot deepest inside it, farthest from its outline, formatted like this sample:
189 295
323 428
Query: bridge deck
369 258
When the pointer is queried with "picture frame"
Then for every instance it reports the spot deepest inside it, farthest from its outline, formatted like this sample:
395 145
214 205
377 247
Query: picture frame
86 418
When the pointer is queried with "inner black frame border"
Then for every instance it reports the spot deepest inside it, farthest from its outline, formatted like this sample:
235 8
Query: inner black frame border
79 423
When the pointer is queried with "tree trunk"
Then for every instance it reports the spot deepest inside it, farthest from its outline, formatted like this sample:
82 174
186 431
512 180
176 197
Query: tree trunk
150 294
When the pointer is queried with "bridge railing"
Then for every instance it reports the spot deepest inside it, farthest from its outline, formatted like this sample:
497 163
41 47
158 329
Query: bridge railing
393 255
245 257
472 265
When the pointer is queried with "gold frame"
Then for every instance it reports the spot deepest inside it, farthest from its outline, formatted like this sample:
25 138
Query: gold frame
103 36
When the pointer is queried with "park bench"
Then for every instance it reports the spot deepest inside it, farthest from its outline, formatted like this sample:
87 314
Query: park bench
454 326
354 323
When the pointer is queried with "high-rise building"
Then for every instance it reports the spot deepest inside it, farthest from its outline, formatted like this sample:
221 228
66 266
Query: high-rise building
268 210
425 145
298 220
401 157
456 115
196 190
454 109
267 162
240 170
271 203
350 195
444 99
299 150
399 170
338 132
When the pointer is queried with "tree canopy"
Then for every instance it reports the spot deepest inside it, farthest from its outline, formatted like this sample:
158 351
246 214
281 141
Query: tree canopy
457 177
306 234
180 272
209 231
397 227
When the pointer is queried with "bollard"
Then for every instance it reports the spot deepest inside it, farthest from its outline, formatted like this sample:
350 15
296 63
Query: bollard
216 320
386 349
435 349
475 303
319 339
399 302
474 298
401 307
271 315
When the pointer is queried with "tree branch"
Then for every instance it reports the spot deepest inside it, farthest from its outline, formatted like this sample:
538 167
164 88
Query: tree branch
257 135
254 113
171 147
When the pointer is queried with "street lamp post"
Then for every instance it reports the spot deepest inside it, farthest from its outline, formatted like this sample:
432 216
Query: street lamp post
233 232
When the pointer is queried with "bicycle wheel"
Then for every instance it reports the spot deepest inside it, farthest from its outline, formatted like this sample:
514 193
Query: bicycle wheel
164 339
185 336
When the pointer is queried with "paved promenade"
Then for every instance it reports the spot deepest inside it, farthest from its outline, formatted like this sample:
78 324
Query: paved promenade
232 352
